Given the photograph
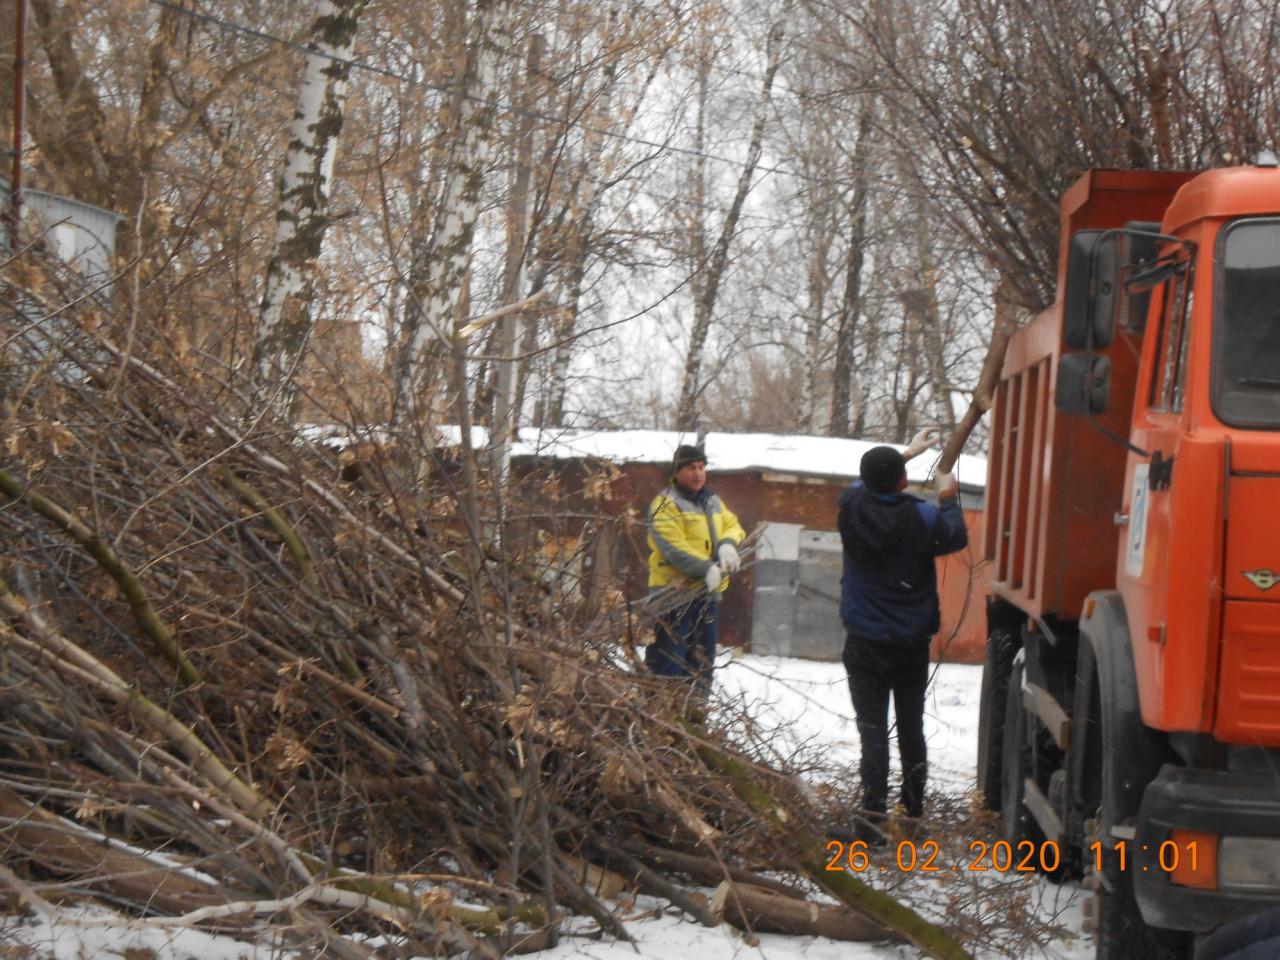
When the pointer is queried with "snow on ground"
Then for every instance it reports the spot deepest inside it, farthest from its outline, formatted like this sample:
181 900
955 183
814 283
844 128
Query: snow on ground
810 700
808 703
97 932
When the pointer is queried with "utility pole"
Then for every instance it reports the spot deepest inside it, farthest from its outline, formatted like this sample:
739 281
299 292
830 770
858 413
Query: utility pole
505 418
19 104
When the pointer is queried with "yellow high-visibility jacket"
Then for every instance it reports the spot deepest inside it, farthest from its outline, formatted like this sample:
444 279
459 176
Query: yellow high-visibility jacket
684 534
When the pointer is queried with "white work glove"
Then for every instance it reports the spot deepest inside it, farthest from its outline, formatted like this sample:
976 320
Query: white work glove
713 578
946 484
730 562
925 438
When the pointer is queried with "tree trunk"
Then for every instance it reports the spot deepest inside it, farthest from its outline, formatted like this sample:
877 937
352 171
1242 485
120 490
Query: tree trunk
851 303
763 911
933 338
433 300
591 179
8 53
506 417
818 283
580 250
284 315
871 336
71 136
709 870
907 375
712 272
63 848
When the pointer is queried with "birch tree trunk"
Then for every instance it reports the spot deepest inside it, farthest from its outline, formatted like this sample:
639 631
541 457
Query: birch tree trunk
712 272
433 300
284 316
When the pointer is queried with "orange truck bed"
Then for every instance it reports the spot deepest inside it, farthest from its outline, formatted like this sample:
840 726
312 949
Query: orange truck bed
1054 483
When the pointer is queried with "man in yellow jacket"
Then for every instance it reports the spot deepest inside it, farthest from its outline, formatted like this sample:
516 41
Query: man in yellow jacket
693 545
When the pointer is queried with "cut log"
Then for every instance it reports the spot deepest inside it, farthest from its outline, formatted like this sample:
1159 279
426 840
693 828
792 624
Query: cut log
66 850
758 910
653 883
708 870
597 881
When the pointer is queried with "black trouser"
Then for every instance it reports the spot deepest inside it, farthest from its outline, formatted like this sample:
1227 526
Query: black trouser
875 669
684 643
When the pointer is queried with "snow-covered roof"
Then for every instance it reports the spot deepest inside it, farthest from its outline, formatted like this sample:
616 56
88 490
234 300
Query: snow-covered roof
726 452
780 453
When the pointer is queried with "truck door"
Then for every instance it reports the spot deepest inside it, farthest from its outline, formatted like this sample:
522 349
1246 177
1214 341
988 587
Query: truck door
1147 515
1245 386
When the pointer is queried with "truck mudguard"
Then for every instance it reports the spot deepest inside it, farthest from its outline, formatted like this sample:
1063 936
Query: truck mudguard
1131 753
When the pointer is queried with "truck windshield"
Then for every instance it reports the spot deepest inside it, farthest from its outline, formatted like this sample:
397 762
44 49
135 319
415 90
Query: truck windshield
1246 343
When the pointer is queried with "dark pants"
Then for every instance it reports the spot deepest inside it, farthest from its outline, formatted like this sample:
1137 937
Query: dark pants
685 643
874 670
1255 937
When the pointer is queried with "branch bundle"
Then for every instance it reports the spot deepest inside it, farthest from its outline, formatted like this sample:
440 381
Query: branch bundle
279 697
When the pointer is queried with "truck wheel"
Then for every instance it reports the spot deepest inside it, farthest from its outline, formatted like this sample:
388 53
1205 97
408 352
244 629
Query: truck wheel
1119 932
1016 821
1020 762
1002 645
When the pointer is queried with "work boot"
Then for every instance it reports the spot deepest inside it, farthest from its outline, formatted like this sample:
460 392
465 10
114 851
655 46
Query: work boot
870 829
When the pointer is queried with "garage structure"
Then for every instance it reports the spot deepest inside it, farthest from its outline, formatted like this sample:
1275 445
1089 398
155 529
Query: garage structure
787 602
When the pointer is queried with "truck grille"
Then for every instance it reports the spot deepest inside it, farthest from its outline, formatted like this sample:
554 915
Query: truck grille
1249 691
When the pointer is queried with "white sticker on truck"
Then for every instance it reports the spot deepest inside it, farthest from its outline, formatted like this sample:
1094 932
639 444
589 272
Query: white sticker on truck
1136 555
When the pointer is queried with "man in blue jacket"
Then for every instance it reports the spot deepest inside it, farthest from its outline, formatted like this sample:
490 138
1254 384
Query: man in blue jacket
889 604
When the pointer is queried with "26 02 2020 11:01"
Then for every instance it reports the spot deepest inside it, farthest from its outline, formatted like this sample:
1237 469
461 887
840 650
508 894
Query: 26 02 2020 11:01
1003 856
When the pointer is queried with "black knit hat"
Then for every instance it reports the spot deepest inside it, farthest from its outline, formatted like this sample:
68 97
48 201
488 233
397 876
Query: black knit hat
686 454
882 469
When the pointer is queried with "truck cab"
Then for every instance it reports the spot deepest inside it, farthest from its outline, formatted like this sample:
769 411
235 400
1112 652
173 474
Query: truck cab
1134 632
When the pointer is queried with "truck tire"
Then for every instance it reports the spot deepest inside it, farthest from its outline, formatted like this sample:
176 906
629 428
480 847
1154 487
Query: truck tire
1016 822
1120 932
1002 645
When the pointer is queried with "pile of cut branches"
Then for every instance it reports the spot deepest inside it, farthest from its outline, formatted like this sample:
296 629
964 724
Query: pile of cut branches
239 693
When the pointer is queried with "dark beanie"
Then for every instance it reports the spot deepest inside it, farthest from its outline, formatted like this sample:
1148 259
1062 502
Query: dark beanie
882 469
687 454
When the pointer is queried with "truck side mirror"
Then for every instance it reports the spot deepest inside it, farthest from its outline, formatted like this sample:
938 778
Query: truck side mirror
1084 384
1093 285
1097 296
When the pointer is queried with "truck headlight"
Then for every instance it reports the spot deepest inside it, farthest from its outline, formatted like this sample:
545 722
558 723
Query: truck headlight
1249 863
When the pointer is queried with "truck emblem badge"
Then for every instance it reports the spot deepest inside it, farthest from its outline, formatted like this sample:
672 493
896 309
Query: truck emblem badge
1262 579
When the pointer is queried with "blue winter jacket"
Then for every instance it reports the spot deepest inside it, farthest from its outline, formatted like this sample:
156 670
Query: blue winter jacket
889 590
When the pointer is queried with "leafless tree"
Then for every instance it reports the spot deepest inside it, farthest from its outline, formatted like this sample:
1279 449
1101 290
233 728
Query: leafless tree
284 317
710 258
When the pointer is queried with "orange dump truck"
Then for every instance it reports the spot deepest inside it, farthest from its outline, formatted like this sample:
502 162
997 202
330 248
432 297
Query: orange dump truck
1130 713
